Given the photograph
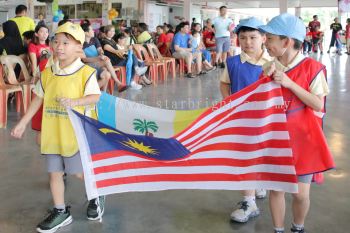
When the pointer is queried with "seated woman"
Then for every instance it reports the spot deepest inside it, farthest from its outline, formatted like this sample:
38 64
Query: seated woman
94 56
39 49
11 43
117 53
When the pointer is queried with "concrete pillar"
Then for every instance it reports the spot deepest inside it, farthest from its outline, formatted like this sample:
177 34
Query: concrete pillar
283 6
187 10
30 6
106 6
298 11
143 8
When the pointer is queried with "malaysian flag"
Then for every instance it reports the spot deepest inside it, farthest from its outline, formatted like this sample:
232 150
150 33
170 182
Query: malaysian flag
240 143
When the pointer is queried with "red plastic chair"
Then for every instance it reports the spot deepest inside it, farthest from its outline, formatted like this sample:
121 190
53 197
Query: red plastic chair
5 90
121 74
170 62
9 61
142 54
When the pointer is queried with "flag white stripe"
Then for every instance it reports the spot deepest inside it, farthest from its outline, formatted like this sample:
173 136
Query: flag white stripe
244 122
260 105
243 155
231 170
244 139
262 88
204 185
118 160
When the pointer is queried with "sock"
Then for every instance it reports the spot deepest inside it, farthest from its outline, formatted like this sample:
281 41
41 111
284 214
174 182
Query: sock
249 199
279 229
61 208
297 226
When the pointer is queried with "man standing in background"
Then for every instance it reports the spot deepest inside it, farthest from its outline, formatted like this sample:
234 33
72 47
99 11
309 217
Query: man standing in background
314 23
23 22
222 26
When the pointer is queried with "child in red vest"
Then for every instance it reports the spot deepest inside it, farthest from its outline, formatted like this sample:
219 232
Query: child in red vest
304 87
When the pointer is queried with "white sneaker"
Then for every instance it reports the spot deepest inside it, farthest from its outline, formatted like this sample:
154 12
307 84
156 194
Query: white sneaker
260 193
140 70
135 86
245 212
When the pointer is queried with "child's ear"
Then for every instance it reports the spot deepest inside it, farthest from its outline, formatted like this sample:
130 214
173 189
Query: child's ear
288 42
263 38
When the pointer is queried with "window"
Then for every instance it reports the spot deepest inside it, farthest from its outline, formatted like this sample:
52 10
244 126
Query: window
89 10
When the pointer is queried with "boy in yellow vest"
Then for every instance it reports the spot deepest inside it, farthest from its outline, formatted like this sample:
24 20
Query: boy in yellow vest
66 84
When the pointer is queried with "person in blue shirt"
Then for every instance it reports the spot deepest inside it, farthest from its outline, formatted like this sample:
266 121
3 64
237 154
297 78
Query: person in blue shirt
182 50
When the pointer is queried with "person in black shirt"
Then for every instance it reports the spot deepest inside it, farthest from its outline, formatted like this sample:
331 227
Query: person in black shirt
336 27
11 43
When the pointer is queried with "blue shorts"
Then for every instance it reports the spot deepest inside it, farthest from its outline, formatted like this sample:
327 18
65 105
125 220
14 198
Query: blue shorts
306 179
223 44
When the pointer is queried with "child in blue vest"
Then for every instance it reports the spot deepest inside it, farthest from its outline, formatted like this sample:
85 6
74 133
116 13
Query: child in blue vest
304 87
241 71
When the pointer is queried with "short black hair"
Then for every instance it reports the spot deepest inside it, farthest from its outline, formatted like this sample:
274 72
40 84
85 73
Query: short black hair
85 27
63 21
193 19
297 43
314 16
248 29
20 9
143 26
28 34
222 7
119 36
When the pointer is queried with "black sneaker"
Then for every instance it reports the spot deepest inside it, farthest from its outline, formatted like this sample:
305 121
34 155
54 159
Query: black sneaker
96 208
297 230
55 220
190 75
222 65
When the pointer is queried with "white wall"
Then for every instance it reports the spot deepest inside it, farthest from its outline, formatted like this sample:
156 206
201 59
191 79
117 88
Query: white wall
156 15
177 11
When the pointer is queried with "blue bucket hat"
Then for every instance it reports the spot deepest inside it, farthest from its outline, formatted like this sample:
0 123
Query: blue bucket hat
250 22
285 25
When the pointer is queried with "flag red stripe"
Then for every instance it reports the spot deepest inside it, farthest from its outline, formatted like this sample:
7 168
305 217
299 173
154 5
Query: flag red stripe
261 96
268 160
244 131
264 96
240 115
258 176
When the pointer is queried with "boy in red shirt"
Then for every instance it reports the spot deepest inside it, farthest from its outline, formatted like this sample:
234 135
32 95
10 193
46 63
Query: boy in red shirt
317 40
162 40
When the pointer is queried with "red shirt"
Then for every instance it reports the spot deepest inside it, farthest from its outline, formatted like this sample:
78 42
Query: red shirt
313 25
347 32
170 37
208 35
40 50
162 39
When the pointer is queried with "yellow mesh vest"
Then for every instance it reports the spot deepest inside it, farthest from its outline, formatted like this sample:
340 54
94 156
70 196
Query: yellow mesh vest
57 135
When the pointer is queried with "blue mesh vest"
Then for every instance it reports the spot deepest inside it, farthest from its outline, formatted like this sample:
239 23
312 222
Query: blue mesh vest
241 74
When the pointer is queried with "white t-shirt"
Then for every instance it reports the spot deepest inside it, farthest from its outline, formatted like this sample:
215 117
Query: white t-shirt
221 26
